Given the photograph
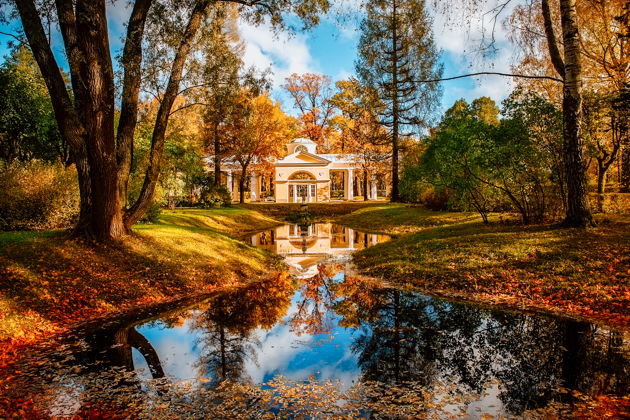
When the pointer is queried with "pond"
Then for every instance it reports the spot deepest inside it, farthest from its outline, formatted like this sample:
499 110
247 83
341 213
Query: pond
322 341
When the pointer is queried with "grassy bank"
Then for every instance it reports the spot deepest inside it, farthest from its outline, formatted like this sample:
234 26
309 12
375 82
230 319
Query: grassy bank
322 211
569 271
48 282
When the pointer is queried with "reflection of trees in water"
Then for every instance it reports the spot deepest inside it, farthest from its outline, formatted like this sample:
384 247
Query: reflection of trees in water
228 323
314 313
407 337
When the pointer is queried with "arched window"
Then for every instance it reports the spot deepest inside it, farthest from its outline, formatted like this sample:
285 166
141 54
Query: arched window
301 149
302 175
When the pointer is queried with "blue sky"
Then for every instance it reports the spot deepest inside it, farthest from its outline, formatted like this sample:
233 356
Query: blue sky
331 49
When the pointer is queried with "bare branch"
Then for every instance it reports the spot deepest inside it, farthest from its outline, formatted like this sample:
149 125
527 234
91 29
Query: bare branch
491 73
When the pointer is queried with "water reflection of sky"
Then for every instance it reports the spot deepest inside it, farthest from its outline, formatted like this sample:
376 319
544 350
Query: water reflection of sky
281 351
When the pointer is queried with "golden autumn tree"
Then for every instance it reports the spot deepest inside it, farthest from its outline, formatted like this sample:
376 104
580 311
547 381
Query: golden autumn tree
259 134
312 96
360 130
603 59
98 128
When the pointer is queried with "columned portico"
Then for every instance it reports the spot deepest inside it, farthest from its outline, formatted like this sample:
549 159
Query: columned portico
303 176
254 187
349 185
373 188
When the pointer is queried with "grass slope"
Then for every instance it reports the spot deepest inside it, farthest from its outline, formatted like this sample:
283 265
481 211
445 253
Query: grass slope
48 282
582 273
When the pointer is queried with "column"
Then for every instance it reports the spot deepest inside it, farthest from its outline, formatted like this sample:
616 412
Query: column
351 238
373 188
229 183
350 191
253 187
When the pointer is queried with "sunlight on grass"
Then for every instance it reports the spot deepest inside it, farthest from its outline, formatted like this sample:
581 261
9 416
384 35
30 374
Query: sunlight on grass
48 281
541 266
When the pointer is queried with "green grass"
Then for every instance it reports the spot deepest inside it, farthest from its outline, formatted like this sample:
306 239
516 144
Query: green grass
48 282
581 273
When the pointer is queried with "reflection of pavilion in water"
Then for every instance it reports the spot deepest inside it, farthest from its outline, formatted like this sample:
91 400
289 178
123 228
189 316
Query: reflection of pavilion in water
303 247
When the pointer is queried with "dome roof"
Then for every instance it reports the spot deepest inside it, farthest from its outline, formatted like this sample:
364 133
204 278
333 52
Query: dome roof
302 141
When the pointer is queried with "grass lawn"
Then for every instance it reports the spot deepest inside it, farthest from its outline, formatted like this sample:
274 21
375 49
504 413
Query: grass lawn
48 282
582 273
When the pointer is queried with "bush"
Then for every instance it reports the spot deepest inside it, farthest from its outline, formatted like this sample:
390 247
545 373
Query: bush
36 195
152 214
618 203
215 196
435 199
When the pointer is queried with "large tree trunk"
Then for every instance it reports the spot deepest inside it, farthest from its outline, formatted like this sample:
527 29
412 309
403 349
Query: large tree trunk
578 213
97 73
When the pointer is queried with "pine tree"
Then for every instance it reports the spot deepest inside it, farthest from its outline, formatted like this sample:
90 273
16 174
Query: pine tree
396 52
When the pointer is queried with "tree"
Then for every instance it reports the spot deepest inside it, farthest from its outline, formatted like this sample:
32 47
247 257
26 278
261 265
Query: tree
396 51
604 129
361 132
312 96
221 80
455 157
27 125
259 134
86 119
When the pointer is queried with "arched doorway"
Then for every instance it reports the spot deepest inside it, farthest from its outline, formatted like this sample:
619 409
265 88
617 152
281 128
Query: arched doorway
302 188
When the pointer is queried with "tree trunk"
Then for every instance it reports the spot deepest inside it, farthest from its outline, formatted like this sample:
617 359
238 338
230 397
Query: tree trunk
601 177
395 196
578 213
625 167
365 185
161 122
241 187
132 62
217 156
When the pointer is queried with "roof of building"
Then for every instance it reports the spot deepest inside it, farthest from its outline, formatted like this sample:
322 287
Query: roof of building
303 141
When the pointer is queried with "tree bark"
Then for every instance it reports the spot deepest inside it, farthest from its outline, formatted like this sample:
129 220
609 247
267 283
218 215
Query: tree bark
138 209
68 121
132 63
241 186
395 196
578 213
97 74
552 43
217 155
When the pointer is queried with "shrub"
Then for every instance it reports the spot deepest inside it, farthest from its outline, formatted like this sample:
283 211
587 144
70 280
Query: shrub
37 195
215 196
152 214
435 199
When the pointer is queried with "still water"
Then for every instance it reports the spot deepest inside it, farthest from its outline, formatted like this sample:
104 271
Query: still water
324 341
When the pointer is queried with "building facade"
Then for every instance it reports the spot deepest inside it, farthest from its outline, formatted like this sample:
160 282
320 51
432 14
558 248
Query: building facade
305 176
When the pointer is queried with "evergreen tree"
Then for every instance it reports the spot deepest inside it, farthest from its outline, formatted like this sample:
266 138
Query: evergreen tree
396 52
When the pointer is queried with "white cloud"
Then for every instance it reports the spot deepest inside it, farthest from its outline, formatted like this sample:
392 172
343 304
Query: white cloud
460 33
284 54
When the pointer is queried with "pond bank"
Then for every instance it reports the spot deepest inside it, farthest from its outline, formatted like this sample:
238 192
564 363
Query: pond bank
583 274
49 283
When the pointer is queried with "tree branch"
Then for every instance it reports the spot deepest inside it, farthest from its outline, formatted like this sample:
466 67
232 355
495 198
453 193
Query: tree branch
491 73
552 42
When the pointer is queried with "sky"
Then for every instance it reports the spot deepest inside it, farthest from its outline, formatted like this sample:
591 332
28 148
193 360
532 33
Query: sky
330 49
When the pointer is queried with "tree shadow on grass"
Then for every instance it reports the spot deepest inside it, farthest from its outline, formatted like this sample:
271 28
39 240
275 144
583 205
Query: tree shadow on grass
62 280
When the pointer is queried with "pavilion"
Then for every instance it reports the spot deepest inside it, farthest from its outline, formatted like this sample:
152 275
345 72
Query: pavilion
304 175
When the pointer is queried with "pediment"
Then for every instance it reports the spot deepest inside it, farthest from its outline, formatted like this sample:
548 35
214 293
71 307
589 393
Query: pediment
304 158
